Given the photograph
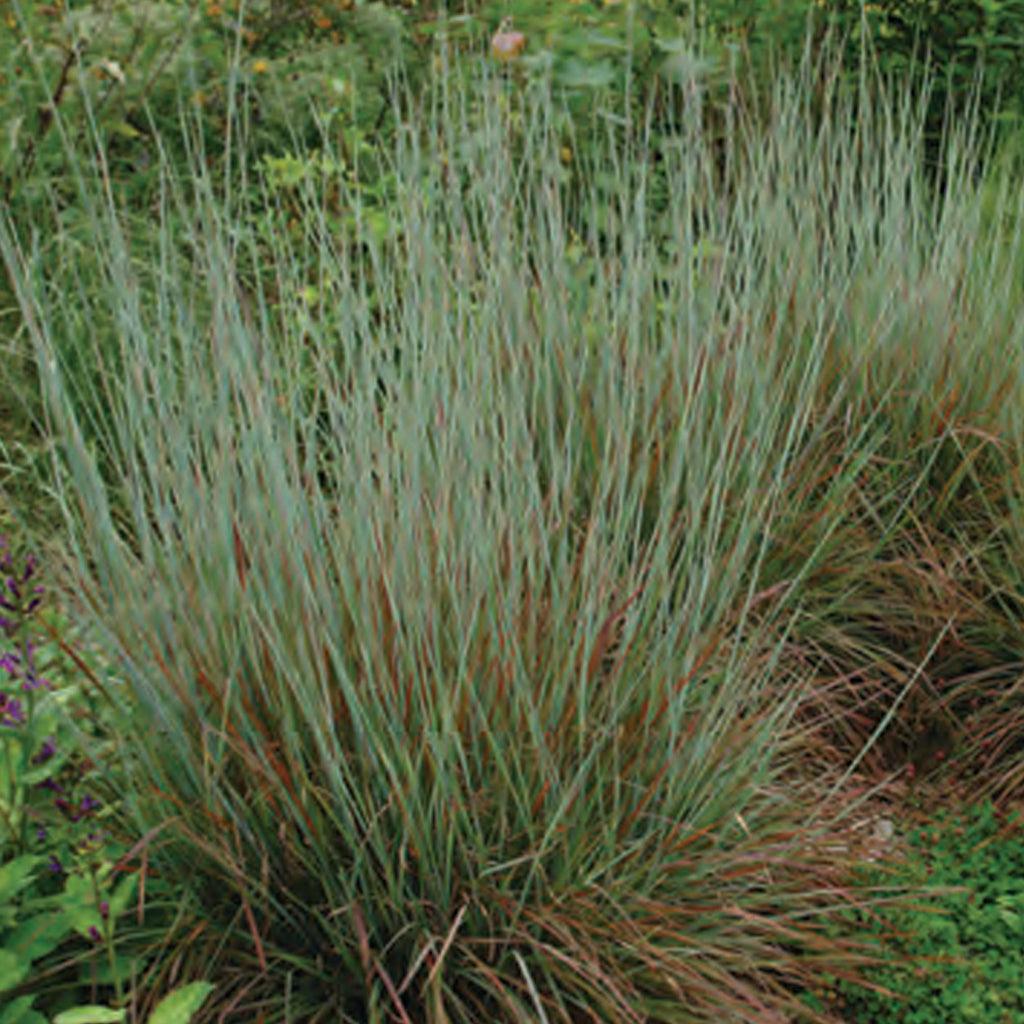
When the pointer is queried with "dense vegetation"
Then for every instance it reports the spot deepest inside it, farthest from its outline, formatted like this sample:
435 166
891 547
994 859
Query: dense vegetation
494 498
965 963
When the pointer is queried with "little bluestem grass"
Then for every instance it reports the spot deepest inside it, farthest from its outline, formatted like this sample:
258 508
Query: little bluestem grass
474 571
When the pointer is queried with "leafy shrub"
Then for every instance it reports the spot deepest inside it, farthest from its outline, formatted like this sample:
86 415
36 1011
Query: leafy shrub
961 956
974 49
62 895
114 76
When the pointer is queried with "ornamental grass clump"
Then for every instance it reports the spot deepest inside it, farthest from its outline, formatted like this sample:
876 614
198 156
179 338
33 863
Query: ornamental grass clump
444 561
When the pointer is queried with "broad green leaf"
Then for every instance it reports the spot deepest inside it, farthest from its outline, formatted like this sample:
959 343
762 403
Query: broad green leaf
13 970
15 876
178 1007
21 1012
37 936
77 903
124 129
122 894
90 1015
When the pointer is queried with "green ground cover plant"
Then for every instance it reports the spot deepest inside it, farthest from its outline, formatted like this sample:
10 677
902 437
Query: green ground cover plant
959 960
515 568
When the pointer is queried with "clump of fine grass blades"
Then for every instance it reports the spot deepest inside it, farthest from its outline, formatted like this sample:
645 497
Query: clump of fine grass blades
444 566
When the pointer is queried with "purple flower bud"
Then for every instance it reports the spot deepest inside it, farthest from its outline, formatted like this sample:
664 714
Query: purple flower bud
33 604
46 751
30 568
90 804
10 711
104 909
10 663
12 586
51 785
55 865
94 933
41 834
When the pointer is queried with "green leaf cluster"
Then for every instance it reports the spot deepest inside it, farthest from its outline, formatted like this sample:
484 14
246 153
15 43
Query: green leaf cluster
957 954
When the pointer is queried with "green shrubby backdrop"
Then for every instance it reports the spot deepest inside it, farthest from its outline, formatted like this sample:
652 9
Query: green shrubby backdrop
282 82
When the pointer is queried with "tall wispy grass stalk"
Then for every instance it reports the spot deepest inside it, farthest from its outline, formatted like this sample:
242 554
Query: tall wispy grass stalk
470 576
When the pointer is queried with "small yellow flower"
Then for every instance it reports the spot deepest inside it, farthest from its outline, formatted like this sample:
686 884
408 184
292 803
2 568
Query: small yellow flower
259 67
566 155
505 44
